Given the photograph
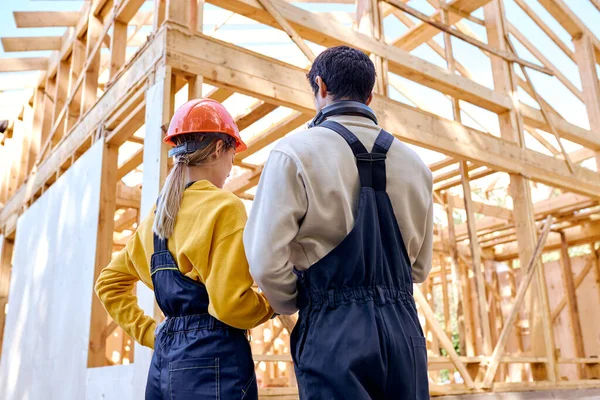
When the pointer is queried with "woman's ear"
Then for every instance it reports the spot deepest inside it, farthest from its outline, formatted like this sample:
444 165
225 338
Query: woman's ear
220 149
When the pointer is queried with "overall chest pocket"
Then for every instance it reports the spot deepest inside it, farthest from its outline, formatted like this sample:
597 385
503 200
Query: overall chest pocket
196 378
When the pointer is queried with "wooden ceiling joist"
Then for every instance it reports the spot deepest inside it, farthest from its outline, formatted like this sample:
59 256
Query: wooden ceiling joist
31 43
45 19
23 64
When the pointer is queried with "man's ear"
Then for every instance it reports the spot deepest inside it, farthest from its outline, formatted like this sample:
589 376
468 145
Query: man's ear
370 99
322 87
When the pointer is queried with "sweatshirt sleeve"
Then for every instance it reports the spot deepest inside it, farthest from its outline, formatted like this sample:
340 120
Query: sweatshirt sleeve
422 265
115 288
229 285
279 206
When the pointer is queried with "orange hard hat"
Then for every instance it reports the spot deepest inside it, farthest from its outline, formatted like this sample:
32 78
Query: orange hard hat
204 116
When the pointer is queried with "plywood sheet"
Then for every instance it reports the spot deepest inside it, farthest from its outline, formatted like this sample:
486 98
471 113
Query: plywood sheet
110 383
47 326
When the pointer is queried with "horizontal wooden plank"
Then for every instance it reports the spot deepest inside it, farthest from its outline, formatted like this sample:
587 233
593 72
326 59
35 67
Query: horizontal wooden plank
278 83
324 31
23 64
45 19
31 43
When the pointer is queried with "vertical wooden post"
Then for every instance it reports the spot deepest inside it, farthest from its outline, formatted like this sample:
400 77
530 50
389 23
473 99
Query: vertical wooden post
158 16
6 250
36 126
118 47
511 128
476 260
196 15
178 11
586 61
567 273
466 341
49 95
159 108
104 245
90 81
445 296
60 96
77 61
25 127
195 87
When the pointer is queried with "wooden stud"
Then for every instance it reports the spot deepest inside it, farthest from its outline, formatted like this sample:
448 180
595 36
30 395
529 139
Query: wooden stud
476 260
96 356
445 297
60 96
272 9
23 64
500 53
6 251
77 62
530 269
178 11
586 61
118 47
439 333
465 324
129 165
92 64
571 295
547 30
158 16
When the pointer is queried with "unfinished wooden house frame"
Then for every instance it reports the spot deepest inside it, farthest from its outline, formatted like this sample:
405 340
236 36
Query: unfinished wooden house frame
505 308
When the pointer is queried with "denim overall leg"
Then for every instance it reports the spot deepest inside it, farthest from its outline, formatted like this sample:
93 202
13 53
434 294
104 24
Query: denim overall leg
358 335
195 355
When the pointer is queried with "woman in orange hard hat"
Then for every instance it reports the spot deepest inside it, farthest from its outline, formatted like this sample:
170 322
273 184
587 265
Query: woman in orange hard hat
190 252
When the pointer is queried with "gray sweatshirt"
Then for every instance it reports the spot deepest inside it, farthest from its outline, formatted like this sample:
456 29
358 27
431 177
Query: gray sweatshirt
307 199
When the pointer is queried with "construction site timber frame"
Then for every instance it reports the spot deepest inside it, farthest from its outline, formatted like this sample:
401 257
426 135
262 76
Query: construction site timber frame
64 118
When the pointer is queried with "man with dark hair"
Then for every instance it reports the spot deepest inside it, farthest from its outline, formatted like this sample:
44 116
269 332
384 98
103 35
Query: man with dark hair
323 238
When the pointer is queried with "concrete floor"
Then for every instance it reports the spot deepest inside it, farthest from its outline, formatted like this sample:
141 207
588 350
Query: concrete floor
581 394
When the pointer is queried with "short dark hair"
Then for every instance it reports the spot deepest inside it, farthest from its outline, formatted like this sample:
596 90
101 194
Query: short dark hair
348 73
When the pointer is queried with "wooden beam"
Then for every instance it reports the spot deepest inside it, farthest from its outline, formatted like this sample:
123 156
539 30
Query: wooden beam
45 19
578 280
547 30
282 84
567 273
509 323
445 28
125 220
258 110
545 61
423 32
476 260
220 94
128 9
244 182
136 159
77 62
106 222
569 21
272 9
118 46
23 64
6 251
31 43
60 96
481 208
439 333
321 30
89 78
274 133
586 61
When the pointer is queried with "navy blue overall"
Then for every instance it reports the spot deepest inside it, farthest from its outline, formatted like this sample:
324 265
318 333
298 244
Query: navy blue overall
195 355
358 335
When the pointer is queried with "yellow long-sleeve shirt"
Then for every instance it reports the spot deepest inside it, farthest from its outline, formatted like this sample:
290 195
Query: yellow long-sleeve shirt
207 246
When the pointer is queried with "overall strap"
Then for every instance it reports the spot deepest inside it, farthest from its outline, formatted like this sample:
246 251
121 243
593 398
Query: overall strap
371 166
159 244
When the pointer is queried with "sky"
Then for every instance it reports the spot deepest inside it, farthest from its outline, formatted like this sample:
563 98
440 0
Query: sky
247 33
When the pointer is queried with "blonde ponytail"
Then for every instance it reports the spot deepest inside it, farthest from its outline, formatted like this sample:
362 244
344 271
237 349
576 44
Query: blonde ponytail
171 194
